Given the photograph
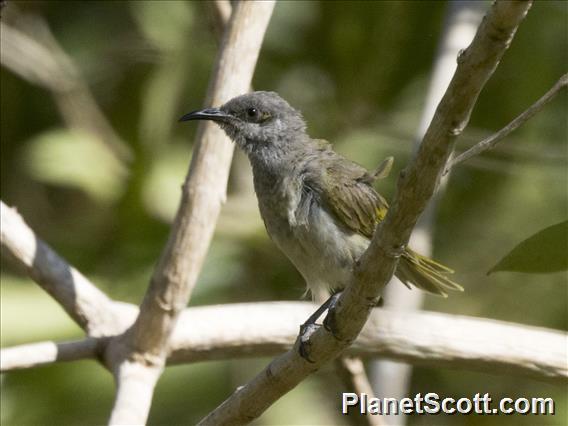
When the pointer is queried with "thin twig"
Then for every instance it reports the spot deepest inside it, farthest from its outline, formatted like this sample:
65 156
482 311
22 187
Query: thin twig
45 353
416 186
495 138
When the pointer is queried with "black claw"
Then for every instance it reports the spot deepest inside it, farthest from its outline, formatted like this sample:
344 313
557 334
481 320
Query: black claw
306 330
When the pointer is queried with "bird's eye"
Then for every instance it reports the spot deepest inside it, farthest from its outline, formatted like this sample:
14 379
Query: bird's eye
252 112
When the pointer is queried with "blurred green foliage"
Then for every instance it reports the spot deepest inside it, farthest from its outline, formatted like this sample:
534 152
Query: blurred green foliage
359 72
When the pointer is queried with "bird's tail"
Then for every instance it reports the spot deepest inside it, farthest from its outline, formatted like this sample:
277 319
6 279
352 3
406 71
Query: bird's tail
425 273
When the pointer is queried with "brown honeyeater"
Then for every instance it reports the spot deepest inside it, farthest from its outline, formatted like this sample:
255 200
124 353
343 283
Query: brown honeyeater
319 208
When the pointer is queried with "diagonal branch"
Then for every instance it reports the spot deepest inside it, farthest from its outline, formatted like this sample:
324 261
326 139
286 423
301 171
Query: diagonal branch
140 355
494 139
84 303
416 185
203 191
460 24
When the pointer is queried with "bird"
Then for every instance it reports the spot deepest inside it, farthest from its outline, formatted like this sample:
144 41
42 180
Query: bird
320 208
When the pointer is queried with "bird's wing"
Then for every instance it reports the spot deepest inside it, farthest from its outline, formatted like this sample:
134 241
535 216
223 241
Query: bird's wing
345 187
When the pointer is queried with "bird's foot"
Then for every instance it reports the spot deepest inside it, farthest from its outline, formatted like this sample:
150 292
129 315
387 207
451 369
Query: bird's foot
310 327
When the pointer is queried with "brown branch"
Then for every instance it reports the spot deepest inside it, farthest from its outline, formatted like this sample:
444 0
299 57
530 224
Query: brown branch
266 329
423 338
135 384
82 300
460 23
416 186
202 195
203 192
44 353
495 138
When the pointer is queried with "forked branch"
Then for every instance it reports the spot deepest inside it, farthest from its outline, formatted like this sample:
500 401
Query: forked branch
495 138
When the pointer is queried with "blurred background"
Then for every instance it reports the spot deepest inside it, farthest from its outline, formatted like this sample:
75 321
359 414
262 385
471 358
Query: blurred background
93 158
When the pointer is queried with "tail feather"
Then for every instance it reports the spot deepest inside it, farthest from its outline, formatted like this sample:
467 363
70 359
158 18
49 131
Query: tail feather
425 273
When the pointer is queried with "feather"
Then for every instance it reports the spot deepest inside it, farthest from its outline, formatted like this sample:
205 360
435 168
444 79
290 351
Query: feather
345 190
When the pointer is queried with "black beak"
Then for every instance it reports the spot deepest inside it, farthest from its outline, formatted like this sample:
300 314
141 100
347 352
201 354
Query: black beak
214 114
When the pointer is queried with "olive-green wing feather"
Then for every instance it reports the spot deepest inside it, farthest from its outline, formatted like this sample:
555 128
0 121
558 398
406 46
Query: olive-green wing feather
345 187
351 198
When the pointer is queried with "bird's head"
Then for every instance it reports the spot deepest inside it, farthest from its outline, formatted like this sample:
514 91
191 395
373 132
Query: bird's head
255 121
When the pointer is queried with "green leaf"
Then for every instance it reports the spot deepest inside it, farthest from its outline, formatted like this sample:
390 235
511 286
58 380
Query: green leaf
545 251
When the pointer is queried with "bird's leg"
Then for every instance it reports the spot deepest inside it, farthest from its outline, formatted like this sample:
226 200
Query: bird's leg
309 327
329 321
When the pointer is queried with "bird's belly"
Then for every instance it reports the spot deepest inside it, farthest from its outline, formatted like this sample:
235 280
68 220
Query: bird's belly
323 252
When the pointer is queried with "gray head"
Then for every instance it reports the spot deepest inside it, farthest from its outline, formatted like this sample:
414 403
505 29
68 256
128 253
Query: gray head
256 121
